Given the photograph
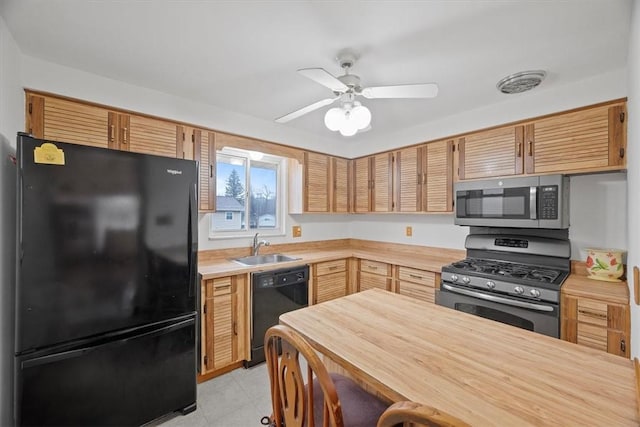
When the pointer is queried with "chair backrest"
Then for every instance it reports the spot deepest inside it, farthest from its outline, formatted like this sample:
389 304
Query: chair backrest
293 401
401 412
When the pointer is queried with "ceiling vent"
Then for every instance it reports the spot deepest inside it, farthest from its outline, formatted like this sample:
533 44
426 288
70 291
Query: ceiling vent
521 82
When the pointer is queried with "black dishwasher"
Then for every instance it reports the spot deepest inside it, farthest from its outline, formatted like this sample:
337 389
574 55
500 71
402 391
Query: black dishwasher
274 292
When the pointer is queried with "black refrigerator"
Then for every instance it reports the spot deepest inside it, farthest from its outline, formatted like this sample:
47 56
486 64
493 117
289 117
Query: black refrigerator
105 285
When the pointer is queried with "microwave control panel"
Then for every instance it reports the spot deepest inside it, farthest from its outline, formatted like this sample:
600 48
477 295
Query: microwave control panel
548 208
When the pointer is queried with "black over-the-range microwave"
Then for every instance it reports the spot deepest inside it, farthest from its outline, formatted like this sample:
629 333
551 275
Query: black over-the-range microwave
527 202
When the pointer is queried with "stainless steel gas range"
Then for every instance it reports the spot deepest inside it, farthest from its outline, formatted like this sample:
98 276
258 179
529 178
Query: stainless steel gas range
510 275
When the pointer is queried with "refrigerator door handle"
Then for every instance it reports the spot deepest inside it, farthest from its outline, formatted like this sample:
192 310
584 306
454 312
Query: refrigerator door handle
193 241
88 349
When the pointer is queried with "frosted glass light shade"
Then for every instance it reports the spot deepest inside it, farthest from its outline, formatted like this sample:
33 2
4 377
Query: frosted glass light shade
334 118
348 121
361 116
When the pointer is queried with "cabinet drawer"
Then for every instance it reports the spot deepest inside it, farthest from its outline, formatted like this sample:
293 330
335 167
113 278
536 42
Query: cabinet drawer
406 274
592 312
373 281
417 291
330 267
375 267
217 287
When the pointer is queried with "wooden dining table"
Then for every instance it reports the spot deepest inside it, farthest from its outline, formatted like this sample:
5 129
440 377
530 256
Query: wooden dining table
481 371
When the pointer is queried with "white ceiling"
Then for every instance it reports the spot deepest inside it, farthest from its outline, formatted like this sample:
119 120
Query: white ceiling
242 56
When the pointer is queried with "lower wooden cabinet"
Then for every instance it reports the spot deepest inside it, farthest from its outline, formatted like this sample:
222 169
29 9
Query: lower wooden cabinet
330 280
374 274
416 283
223 322
597 324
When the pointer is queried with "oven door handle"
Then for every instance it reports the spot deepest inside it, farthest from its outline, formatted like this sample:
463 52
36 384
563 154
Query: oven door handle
495 298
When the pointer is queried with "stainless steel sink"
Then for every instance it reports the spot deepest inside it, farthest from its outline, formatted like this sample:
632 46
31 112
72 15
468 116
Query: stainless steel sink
263 259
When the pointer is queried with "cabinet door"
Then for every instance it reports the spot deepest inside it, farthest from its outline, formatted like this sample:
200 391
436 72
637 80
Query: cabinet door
186 142
618 327
205 154
589 139
362 185
149 136
373 281
220 328
437 173
408 182
316 182
68 121
382 185
330 286
496 152
418 284
340 173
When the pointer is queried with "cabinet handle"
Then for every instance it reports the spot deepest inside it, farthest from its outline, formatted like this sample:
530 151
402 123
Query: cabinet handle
235 328
373 267
333 267
415 276
373 184
530 148
623 346
519 152
221 287
210 171
424 178
124 136
111 133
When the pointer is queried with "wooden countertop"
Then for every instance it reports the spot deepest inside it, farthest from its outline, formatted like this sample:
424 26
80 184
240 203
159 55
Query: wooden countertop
429 259
581 286
481 371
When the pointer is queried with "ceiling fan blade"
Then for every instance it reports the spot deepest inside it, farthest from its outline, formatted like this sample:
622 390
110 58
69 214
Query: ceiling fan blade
320 75
425 90
304 110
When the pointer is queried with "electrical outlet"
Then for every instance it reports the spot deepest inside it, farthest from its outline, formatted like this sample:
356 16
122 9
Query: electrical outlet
409 231
296 231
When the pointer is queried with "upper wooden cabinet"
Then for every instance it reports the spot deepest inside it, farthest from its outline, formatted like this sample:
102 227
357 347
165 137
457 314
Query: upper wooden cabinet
495 152
373 183
414 179
591 139
59 119
585 140
325 184
205 154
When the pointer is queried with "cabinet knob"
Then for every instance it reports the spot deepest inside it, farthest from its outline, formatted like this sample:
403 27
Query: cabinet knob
623 346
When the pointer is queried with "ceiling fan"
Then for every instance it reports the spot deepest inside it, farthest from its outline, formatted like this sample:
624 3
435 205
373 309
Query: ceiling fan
352 116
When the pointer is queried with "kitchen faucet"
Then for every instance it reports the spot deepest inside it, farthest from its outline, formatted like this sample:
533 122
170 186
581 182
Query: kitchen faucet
257 244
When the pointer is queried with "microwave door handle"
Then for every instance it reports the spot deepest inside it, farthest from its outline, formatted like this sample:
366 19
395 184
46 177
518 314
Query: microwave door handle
495 298
533 205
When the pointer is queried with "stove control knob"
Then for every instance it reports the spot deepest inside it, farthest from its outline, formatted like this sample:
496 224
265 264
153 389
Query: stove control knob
454 277
491 285
518 290
465 279
534 293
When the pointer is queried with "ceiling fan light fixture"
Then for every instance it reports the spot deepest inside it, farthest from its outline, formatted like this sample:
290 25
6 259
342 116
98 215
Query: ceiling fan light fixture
348 119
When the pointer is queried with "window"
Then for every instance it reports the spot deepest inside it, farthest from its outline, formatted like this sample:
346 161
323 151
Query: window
248 194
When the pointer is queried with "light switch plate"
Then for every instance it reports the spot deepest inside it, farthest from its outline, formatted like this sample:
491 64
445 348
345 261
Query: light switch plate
296 231
409 231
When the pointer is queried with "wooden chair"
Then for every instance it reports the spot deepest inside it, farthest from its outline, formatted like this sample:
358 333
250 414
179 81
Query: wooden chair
411 412
326 399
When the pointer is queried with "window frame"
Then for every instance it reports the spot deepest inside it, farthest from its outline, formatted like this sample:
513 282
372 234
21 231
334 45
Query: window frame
281 174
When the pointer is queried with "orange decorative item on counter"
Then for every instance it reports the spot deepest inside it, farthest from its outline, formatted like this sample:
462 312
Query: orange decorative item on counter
605 264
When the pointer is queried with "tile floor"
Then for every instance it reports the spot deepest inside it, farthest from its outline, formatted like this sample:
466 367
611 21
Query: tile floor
239 398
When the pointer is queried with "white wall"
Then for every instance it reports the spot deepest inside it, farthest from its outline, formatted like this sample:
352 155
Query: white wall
540 101
11 121
47 76
633 175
